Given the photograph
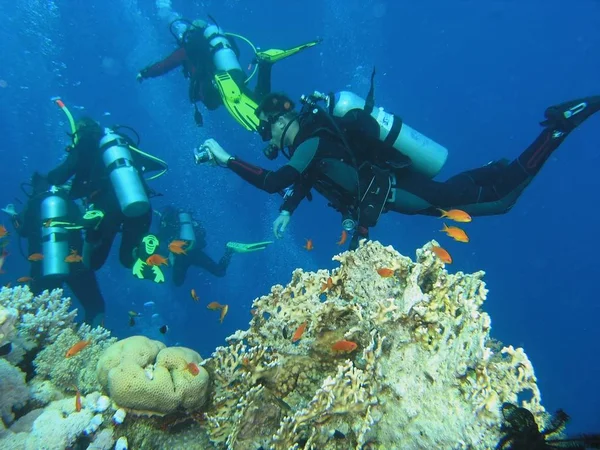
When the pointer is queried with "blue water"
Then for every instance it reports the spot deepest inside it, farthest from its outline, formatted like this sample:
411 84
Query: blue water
475 76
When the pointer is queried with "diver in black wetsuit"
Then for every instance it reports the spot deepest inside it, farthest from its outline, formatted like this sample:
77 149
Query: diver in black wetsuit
362 176
106 174
179 225
51 222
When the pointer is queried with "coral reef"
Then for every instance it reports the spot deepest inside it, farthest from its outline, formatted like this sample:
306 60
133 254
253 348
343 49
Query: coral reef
417 367
8 317
13 391
144 377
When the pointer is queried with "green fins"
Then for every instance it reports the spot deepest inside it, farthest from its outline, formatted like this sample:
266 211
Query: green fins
239 105
273 55
239 247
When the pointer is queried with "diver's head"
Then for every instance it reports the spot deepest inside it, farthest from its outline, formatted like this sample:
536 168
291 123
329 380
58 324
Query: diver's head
278 121
88 131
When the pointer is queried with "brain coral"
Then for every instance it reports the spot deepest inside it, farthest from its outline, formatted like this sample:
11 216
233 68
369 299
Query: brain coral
145 377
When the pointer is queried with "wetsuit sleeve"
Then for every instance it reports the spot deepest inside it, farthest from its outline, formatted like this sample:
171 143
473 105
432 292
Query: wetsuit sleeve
299 191
171 62
274 181
65 170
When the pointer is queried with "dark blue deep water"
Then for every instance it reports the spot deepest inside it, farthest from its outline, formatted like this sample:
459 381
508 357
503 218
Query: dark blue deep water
475 76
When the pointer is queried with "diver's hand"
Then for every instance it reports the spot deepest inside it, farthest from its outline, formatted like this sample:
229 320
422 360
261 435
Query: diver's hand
139 77
10 210
281 224
218 153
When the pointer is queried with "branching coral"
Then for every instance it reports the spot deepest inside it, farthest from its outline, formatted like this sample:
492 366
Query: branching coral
13 391
420 370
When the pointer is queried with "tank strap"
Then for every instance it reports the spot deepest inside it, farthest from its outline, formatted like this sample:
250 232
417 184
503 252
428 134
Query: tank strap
394 132
118 140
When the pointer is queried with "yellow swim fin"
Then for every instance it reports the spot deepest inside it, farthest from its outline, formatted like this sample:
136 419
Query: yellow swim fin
239 105
273 55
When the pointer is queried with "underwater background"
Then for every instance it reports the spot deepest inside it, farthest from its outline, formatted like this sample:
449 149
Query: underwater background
474 76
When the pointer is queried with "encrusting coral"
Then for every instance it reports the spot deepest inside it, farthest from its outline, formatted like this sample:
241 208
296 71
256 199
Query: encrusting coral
381 360
144 377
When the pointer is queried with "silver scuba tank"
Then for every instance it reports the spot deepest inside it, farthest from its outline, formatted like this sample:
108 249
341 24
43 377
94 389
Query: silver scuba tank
427 156
224 57
124 177
55 240
186 228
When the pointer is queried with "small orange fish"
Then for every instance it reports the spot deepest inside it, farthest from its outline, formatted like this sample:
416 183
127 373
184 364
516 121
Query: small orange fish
299 332
35 257
309 245
224 310
214 306
193 368
157 260
442 254
24 280
343 238
194 295
328 285
77 348
74 257
344 346
176 247
385 272
456 233
3 231
455 214
77 399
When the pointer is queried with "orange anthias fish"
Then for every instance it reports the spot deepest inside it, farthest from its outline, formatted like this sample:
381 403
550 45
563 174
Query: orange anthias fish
193 368
77 399
24 280
299 332
328 285
176 247
343 238
309 245
157 260
35 257
77 348
74 257
344 346
194 295
3 232
455 214
456 233
442 254
385 272
224 310
214 306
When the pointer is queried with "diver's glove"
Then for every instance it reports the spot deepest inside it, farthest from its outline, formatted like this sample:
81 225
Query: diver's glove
281 223
10 210
139 77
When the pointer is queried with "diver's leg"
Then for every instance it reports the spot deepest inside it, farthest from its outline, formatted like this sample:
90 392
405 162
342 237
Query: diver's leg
263 81
85 287
134 230
494 188
98 242
219 269
180 268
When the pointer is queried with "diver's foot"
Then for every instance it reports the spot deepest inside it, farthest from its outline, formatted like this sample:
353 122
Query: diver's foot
569 115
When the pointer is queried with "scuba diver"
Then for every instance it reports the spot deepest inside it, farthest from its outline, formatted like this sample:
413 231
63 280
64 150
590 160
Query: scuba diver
366 161
178 226
52 222
210 59
108 172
